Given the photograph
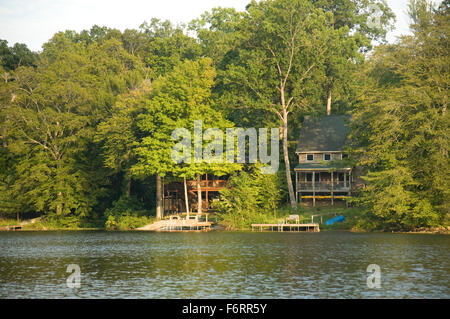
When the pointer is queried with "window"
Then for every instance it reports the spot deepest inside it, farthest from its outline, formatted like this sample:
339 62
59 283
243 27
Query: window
344 156
309 177
341 177
317 177
310 157
326 157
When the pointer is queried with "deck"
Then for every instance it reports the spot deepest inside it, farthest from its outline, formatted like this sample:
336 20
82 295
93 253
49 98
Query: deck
287 227
177 223
186 225
323 186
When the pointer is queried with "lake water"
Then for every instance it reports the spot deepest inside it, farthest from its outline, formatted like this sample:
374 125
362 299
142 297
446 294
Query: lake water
223 265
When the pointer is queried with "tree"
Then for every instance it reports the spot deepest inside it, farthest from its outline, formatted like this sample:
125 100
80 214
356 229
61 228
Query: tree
250 197
218 33
166 45
52 122
18 55
370 19
176 101
401 126
358 23
119 134
282 48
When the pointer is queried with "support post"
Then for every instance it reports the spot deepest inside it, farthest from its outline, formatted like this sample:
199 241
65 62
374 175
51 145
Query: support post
332 186
206 189
314 188
345 179
186 199
158 197
163 198
199 196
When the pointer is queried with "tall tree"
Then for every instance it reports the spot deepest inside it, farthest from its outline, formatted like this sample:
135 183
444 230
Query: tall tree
358 23
53 119
283 46
119 133
17 55
401 125
176 101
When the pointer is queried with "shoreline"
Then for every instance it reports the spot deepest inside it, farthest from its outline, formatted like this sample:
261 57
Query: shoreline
432 231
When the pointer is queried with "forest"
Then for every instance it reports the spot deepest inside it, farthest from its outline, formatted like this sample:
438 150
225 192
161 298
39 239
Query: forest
86 123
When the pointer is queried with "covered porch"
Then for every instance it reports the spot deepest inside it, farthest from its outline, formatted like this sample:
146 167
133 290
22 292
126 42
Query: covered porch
316 181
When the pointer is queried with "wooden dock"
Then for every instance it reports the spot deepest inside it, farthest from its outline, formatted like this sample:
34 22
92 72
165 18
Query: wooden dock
177 223
186 225
287 227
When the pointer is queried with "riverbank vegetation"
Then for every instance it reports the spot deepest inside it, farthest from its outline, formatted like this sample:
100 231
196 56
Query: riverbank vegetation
86 123
250 197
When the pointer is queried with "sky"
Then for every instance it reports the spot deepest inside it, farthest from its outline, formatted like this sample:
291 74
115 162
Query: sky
34 22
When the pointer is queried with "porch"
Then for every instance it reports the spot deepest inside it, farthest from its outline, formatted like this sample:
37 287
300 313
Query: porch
322 183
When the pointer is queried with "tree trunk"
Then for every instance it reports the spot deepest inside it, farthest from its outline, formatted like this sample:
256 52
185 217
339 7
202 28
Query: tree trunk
329 102
286 162
158 197
128 191
186 197
163 207
199 192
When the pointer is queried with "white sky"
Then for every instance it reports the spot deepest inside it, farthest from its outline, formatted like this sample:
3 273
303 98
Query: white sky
34 22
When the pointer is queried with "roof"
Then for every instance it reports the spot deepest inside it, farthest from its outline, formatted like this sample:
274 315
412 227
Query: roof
320 166
326 133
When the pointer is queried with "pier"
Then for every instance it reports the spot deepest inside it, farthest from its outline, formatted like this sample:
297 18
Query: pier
287 227
178 223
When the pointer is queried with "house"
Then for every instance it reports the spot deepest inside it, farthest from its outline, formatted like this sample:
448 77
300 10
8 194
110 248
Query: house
321 173
174 200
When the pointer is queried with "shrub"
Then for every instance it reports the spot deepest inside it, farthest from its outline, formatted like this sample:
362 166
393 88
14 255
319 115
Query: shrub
250 197
127 213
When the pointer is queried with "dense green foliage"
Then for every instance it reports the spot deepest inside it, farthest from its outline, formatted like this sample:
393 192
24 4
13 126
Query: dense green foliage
127 213
250 197
86 124
401 126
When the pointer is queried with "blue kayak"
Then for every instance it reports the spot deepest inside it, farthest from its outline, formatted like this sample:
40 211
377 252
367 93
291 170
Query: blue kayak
336 219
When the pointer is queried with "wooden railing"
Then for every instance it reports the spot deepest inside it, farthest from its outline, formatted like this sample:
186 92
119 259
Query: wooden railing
207 184
324 186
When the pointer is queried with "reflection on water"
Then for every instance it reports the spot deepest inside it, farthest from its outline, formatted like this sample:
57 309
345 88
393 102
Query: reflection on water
223 265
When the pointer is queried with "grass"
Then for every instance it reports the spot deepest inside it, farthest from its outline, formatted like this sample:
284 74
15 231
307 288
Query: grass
8 221
351 215
129 222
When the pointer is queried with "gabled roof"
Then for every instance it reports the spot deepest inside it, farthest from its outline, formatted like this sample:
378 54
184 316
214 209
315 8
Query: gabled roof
326 133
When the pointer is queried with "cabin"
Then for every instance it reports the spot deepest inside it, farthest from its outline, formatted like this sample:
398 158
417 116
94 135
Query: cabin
210 185
321 174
